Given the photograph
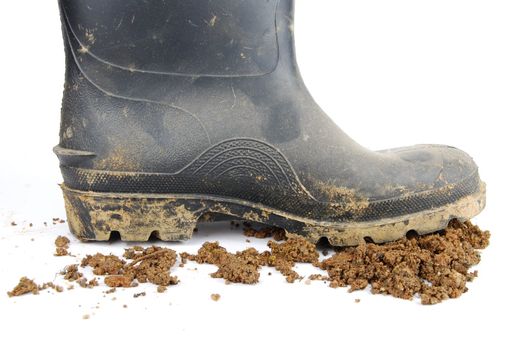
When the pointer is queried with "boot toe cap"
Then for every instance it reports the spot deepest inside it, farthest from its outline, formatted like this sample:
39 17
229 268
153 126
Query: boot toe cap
440 165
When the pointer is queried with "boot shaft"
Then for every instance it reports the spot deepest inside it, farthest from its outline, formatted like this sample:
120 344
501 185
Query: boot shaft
170 75
223 38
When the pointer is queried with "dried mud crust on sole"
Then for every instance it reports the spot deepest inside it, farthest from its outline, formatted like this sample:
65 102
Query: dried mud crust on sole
137 217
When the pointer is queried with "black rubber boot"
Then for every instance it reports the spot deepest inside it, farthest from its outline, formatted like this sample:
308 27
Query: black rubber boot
177 109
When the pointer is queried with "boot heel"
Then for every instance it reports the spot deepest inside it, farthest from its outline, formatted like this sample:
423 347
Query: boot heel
95 216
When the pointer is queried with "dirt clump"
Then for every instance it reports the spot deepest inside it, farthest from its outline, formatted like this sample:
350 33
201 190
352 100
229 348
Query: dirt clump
151 265
104 264
284 256
276 233
25 286
118 281
433 267
71 273
243 266
295 249
61 244
215 297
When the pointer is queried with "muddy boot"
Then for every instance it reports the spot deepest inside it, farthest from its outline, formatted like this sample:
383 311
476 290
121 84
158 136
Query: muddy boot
175 110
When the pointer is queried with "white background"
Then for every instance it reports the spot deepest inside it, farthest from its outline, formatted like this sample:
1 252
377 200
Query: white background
391 73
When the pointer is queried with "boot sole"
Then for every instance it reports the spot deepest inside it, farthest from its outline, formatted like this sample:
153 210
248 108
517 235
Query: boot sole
94 216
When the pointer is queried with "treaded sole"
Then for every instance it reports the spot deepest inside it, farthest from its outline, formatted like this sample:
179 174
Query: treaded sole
94 216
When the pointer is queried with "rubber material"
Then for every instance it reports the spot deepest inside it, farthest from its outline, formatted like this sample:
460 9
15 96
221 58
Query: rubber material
204 99
135 217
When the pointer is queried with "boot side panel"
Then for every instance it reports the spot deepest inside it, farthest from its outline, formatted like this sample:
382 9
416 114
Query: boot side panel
121 134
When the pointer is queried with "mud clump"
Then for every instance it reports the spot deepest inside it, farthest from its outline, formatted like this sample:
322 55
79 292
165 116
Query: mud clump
243 266
71 273
62 244
25 286
151 265
284 256
277 234
118 281
295 249
104 264
433 267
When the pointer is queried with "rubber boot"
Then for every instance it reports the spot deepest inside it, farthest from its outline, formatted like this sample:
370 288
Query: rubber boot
176 110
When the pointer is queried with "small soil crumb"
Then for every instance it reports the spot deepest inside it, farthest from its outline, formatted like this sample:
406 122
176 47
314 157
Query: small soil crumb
62 244
71 273
161 289
215 297
278 234
25 286
93 283
435 266
357 301
318 277
110 291
51 285
137 295
13 223
82 282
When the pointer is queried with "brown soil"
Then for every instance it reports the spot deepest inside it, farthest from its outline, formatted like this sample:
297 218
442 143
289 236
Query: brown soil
215 297
118 281
62 244
25 286
435 267
283 256
71 273
151 265
104 264
278 234
243 267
